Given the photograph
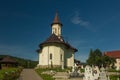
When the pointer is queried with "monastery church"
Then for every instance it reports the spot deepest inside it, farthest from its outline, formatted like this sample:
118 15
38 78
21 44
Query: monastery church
54 51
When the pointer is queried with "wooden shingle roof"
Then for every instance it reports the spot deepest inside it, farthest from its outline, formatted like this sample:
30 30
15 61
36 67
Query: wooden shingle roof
54 39
56 20
7 60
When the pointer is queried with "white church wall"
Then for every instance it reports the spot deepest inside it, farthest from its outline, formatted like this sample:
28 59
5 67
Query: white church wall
70 60
56 29
44 56
69 57
55 55
56 51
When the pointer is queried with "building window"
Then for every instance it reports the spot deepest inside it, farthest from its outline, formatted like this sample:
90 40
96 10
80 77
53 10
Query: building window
50 56
61 57
55 30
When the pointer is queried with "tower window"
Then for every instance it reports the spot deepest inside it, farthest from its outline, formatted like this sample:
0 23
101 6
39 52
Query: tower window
50 56
55 30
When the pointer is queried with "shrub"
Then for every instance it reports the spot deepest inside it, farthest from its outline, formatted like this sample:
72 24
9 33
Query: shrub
44 76
10 73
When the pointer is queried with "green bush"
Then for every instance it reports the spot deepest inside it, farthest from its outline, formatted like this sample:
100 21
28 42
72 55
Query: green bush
10 73
82 70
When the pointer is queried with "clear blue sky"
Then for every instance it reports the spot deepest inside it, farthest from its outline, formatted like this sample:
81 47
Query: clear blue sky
87 24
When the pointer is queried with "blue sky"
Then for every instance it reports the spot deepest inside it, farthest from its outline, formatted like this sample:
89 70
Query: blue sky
87 24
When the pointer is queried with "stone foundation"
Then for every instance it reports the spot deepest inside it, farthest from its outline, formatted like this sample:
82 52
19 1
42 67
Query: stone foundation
48 66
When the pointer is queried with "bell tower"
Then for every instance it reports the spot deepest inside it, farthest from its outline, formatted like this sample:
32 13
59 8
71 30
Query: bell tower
56 26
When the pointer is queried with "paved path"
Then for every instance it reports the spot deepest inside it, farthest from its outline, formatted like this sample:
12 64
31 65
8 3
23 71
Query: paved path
29 74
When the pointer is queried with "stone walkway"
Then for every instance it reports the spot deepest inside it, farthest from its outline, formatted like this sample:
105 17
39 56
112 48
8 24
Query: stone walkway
29 74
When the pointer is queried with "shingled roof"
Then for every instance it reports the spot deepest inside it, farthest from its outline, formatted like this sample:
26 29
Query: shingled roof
7 60
56 20
113 54
54 39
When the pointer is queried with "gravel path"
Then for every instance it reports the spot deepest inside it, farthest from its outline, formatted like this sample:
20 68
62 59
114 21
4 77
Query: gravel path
29 74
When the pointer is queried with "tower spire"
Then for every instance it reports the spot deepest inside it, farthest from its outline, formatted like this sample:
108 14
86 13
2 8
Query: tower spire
56 25
56 19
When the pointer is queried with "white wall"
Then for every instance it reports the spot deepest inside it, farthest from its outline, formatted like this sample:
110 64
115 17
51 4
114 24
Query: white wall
56 29
117 64
69 57
56 50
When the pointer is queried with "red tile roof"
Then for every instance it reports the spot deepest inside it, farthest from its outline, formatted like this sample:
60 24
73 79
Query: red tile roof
114 54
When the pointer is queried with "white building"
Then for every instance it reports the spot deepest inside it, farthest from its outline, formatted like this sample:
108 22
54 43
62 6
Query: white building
114 54
54 51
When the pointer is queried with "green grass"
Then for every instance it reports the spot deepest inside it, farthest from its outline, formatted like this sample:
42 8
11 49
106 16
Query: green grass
114 77
10 74
49 77
44 76
113 70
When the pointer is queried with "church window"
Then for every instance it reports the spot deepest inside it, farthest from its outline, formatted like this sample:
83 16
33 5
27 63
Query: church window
61 57
55 30
50 56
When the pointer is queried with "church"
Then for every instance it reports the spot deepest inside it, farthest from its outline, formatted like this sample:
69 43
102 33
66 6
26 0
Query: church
55 51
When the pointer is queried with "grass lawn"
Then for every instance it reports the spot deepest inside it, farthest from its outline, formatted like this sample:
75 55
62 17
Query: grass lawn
9 74
114 77
46 76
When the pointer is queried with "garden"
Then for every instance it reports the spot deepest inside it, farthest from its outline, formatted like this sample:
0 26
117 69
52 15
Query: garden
10 73
40 71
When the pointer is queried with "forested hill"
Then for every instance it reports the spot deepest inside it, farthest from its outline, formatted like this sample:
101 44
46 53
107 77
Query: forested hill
26 63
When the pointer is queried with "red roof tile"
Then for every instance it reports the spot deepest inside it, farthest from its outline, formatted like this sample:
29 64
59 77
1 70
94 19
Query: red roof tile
114 54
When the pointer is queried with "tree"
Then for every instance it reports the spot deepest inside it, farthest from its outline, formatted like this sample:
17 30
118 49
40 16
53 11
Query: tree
91 58
108 61
97 58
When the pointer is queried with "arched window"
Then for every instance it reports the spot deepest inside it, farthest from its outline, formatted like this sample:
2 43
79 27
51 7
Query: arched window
50 56
61 57
55 30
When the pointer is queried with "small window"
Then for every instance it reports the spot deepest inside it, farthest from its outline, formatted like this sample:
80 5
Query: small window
55 30
50 56
61 57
